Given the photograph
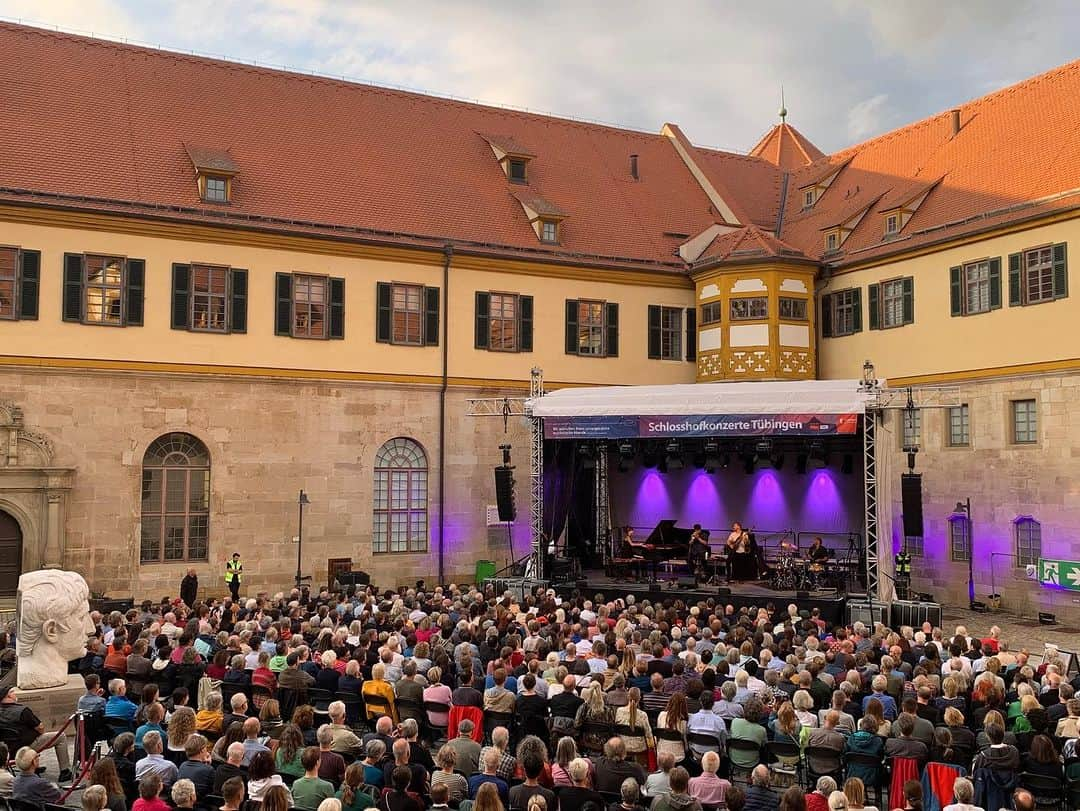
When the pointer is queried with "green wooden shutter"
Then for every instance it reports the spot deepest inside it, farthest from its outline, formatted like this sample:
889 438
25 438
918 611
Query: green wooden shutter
283 304
482 331
431 316
1015 288
29 284
826 315
181 296
654 332
908 284
134 285
611 322
383 312
525 324
571 327
1061 271
856 318
956 290
691 334
337 309
874 303
73 287
995 283
238 289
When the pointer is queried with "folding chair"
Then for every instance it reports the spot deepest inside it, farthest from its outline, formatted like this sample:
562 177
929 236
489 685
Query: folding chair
743 745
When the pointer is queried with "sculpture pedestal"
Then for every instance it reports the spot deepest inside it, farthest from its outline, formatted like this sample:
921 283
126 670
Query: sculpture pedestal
53 705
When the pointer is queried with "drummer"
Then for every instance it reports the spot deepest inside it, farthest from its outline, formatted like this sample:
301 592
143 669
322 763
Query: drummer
817 553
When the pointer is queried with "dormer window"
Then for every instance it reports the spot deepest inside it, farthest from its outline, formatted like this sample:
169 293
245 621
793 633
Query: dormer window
517 170
544 216
832 241
216 189
215 172
892 224
809 197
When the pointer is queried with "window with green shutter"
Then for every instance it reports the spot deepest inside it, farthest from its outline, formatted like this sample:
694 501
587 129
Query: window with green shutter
841 313
1038 275
20 281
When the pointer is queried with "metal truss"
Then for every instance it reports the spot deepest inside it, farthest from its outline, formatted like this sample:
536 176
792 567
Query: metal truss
870 485
535 567
920 397
603 505
496 407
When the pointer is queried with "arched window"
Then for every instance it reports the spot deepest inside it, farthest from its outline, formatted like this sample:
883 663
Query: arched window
1028 540
401 478
175 499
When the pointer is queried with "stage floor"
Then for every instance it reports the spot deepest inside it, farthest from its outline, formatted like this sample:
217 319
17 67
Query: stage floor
828 601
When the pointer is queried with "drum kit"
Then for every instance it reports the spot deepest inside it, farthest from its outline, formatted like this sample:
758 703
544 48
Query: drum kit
791 572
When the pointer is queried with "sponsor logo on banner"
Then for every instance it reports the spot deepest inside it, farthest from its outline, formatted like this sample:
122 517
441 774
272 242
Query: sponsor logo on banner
629 427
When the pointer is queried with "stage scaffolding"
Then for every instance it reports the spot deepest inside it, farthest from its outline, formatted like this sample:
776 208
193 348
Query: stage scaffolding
880 401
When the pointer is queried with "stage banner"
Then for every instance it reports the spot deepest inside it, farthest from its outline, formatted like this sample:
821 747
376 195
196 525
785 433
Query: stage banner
706 425
1061 573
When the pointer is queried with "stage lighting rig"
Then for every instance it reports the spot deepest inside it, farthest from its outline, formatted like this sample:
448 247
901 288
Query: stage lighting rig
816 457
626 456
763 455
673 455
712 456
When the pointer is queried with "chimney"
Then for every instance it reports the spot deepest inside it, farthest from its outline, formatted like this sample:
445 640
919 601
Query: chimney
955 121
633 167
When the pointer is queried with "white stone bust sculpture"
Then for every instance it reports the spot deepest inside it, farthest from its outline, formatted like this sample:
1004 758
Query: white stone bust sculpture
54 624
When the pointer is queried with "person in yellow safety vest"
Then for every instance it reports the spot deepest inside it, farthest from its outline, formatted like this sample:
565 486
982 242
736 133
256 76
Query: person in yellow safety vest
233 568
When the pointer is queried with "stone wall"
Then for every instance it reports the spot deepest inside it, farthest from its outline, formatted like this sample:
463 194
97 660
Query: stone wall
1004 481
267 440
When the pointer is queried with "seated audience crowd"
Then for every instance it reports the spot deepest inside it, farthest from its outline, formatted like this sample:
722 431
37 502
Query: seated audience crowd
454 698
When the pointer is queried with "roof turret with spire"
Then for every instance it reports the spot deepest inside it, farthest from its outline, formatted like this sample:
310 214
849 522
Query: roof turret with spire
784 146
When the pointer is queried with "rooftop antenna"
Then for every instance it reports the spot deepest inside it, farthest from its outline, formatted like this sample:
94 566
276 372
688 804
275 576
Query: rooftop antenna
782 112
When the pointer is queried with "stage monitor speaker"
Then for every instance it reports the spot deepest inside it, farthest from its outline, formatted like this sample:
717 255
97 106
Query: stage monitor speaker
911 496
723 592
686 582
866 612
504 493
906 612
1046 618
802 594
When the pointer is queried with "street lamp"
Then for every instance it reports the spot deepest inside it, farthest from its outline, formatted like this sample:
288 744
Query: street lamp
965 508
302 502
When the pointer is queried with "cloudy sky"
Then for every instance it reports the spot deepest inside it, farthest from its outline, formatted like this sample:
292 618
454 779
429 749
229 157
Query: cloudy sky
850 68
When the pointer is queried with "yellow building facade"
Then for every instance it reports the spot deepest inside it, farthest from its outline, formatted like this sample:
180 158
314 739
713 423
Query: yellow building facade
195 329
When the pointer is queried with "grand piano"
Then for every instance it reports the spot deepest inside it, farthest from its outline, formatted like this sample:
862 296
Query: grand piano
665 542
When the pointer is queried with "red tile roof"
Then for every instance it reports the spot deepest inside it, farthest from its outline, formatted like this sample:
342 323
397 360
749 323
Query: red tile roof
746 244
102 126
90 118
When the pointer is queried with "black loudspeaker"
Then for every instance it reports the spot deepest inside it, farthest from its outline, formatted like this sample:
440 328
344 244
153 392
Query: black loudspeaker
686 582
723 592
911 495
801 594
504 492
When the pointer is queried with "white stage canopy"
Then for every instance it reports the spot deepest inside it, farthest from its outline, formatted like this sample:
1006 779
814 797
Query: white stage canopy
785 397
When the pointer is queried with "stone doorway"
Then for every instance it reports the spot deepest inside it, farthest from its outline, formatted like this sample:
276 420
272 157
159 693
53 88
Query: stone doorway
10 555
